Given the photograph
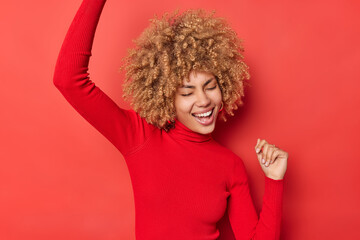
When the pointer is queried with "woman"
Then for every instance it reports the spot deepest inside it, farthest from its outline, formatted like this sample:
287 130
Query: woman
185 71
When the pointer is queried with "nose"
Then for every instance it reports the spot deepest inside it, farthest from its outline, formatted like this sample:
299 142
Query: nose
202 99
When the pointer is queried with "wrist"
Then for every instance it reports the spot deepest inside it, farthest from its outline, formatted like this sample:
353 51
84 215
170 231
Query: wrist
274 177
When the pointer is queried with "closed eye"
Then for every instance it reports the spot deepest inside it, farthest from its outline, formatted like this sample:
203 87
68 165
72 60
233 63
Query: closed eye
188 94
212 88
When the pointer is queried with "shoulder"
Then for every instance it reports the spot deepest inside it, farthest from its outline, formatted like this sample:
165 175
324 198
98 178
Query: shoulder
227 157
224 150
234 165
139 121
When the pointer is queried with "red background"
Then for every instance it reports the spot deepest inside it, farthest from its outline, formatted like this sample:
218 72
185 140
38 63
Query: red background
61 179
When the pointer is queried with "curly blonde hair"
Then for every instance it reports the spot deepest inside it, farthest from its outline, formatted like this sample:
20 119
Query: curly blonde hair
169 49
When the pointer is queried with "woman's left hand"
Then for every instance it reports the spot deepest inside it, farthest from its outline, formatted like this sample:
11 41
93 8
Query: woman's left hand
272 159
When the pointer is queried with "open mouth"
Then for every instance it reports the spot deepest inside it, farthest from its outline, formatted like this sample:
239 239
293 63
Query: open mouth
205 118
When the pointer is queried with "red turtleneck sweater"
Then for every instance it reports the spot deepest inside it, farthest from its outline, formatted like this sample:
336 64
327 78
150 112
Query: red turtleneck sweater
183 182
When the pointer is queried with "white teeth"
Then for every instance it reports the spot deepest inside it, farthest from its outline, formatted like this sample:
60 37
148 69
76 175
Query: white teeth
203 114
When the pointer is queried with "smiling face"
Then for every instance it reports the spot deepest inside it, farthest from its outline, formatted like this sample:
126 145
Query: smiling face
198 101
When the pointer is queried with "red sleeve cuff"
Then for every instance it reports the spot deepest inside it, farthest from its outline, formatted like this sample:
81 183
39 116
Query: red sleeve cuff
274 189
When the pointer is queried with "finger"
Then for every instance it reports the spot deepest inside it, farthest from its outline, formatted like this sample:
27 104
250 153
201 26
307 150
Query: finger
261 145
275 154
257 149
269 152
269 156
264 152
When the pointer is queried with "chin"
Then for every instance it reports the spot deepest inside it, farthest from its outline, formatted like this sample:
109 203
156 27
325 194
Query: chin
205 130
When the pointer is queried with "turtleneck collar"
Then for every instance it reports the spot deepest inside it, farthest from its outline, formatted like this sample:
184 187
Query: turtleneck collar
182 132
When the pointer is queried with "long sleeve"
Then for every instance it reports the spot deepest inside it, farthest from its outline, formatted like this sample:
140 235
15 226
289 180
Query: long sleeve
242 215
124 128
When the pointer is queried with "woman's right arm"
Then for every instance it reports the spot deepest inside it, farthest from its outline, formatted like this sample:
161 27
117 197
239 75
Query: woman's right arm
124 128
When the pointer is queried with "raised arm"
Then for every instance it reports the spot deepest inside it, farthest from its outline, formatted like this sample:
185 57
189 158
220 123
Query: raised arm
242 215
124 128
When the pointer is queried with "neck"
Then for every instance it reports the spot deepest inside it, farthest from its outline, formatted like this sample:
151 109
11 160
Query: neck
182 132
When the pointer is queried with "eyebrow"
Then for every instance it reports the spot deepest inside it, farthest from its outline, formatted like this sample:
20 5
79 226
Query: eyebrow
191 86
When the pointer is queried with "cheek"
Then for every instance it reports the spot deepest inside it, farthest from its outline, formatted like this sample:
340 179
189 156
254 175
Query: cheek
217 97
182 105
